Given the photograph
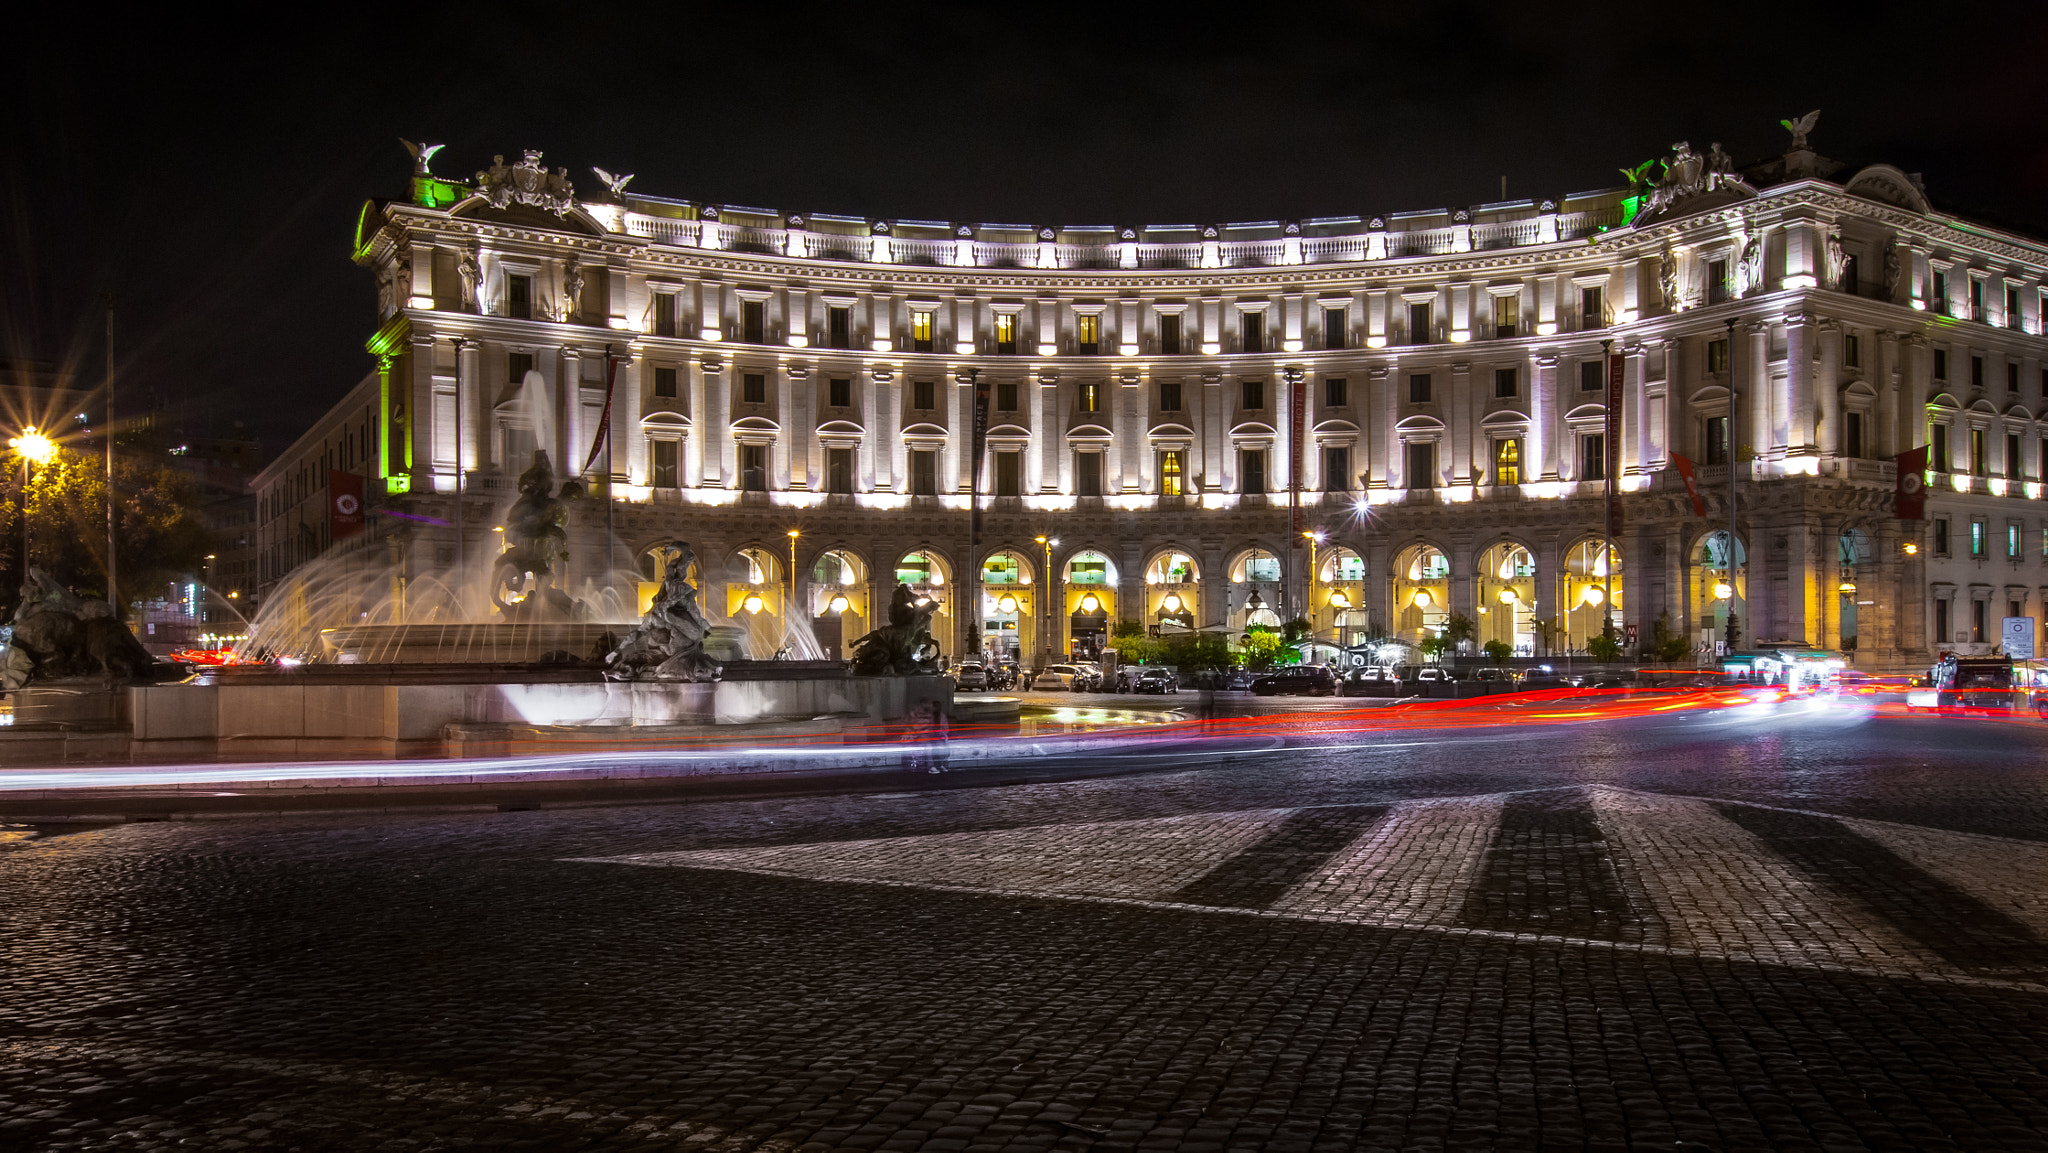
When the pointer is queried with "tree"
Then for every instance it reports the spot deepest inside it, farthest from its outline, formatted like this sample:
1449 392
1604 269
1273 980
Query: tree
1191 651
156 520
1434 647
1603 647
1295 632
1261 648
1666 645
1459 628
1133 646
1498 651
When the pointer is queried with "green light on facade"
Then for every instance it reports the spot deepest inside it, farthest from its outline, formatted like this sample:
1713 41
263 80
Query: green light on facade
433 192
397 485
1630 205
367 225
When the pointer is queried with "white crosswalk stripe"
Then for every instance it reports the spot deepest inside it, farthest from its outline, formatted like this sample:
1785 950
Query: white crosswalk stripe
1715 888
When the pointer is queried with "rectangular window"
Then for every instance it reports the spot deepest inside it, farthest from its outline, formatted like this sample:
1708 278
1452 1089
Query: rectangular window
1976 372
1169 334
2012 376
1009 474
2044 383
2012 543
839 328
1336 392
924 473
1714 442
1979 466
1422 464
1851 276
754 467
1169 396
2012 456
1336 469
839 392
1418 388
1937 448
753 322
1976 299
1254 395
1006 333
839 471
519 297
1852 351
1592 375
1006 397
1251 464
2012 308
665 382
1940 292
664 462
1717 281
1941 536
1941 364
1254 330
1940 623
1334 326
1592 308
921 331
664 314
1087 474
1977 622
1507 461
1091 397
1419 327
517 365
1506 383
1717 355
1505 309
753 388
1852 435
1593 456
1172 473
1978 531
1087 334
923 395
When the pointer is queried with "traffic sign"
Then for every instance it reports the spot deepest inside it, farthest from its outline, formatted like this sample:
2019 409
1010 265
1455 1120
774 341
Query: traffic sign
2019 638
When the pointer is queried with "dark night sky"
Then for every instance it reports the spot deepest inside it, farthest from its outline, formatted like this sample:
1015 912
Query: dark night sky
211 181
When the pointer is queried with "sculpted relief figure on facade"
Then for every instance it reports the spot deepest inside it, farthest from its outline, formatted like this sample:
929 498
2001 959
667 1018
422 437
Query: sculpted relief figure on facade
1667 281
527 182
572 291
1892 270
469 273
1688 174
1749 265
1838 260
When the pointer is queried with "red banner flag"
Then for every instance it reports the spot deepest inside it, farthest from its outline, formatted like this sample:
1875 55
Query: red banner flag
344 504
1909 500
1692 488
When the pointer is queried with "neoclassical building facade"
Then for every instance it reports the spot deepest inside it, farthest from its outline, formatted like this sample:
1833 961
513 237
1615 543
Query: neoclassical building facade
1372 422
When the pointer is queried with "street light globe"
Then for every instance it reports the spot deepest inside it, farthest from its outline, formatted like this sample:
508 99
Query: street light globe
1593 595
33 445
1723 590
753 603
1089 603
1171 602
839 604
1339 601
1507 596
1008 604
1422 598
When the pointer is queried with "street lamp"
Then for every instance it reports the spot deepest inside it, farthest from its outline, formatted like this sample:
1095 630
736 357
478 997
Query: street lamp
1315 537
33 448
787 605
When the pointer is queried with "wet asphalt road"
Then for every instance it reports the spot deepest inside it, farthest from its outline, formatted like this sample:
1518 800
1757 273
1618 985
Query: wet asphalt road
1808 927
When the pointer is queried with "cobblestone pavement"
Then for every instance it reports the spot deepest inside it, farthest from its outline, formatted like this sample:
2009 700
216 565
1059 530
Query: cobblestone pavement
1797 929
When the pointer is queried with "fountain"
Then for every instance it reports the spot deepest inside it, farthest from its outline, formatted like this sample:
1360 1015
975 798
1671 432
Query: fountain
498 655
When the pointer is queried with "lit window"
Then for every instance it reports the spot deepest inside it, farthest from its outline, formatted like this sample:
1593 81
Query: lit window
1006 333
1171 482
921 332
1507 461
1087 329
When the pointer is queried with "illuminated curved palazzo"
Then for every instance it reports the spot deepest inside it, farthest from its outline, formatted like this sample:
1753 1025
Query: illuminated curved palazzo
1177 405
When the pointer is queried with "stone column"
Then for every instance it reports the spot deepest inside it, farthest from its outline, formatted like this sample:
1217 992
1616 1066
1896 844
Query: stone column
1799 403
720 455
1544 435
1463 420
1825 389
1639 456
1885 375
1051 433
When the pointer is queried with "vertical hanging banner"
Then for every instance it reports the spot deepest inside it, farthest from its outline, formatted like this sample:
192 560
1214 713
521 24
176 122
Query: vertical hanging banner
344 504
1295 399
1692 489
980 451
1613 441
1909 499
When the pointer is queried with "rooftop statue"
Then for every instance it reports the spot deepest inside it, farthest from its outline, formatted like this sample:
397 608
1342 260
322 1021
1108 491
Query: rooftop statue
668 643
422 155
616 183
903 647
527 182
1800 127
1688 175
536 542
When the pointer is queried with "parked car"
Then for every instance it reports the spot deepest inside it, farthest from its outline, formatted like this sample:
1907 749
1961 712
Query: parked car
1366 680
1092 674
1494 674
1060 679
973 678
1154 679
1307 680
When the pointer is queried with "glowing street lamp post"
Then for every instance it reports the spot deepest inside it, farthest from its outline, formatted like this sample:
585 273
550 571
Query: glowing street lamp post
33 448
